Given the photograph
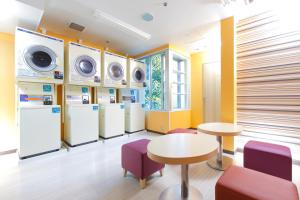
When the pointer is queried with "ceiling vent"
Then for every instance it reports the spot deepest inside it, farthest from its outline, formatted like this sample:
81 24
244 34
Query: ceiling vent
76 27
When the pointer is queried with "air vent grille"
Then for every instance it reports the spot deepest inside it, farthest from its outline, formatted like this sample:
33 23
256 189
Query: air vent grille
76 27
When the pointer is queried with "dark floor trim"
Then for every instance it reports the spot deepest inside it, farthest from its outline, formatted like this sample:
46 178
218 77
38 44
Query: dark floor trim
110 137
76 145
228 152
8 152
38 154
134 131
156 132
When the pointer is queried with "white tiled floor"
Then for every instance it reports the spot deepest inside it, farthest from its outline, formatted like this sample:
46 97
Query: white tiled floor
93 172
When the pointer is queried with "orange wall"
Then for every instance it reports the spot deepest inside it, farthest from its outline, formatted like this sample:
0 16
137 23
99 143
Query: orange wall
157 121
196 90
7 88
180 119
228 77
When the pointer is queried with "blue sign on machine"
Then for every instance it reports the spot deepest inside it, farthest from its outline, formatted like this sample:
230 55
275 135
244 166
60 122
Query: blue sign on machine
122 106
95 108
47 88
85 90
56 110
111 91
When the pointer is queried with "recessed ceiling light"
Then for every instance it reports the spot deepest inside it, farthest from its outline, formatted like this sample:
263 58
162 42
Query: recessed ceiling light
147 17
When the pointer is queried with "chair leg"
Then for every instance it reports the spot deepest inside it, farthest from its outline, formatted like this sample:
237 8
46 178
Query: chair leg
161 172
143 183
125 172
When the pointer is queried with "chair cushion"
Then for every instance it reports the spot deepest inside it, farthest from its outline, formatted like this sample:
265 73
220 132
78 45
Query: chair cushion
239 183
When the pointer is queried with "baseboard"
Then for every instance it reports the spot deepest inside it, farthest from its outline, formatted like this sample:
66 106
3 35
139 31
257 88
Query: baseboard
38 154
110 137
156 132
228 152
134 131
76 145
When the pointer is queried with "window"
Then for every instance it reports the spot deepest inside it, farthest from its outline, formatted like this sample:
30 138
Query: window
180 94
155 78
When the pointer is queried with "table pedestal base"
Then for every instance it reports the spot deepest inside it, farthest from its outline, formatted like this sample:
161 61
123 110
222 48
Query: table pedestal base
174 193
220 165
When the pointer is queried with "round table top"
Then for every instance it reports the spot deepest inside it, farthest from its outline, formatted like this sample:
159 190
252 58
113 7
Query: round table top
220 129
182 148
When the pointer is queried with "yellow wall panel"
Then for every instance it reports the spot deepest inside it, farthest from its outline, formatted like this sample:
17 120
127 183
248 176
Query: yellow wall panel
7 88
196 90
157 121
228 77
180 119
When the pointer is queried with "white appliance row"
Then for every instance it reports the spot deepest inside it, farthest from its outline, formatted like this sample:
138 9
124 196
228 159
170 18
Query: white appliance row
41 58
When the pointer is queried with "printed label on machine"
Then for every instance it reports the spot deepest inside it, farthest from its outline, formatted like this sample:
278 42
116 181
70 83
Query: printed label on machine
122 106
27 98
58 75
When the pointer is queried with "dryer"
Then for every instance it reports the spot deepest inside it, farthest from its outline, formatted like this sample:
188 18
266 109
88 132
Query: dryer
114 70
136 73
81 122
38 57
38 119
82 65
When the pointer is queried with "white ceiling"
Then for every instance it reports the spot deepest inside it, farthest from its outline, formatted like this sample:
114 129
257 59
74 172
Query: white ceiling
181 22
14 13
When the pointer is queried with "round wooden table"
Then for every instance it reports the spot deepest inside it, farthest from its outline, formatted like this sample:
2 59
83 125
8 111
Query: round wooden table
220 129
182 149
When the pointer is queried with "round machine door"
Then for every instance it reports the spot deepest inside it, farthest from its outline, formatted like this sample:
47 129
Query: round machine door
40 58
138 75
85 66
116 71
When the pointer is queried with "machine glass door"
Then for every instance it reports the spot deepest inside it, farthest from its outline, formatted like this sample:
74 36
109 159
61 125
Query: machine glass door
138 75
40 58
116 71
85 66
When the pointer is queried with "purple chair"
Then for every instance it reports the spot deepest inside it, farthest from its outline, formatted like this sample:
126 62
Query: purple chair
268 158
136 161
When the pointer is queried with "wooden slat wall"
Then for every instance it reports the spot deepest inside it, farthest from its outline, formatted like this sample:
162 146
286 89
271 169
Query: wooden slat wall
268 78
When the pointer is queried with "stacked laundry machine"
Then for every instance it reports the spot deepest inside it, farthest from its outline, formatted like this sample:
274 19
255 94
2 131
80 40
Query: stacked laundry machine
39 67
132 96
112 113
81 116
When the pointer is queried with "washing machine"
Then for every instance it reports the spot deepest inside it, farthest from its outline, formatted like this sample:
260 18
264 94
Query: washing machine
82 65
38 57
134 117
111 114
81 122
136 73
38 119
114 70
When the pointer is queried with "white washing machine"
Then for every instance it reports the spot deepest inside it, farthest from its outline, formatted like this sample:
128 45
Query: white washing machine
38 57
111 114
82 65
136 74
114 70
38 120
134 117
112 120
81 123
